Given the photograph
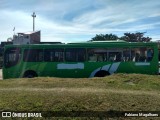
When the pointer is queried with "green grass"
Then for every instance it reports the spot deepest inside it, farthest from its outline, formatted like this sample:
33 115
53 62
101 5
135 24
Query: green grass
119 92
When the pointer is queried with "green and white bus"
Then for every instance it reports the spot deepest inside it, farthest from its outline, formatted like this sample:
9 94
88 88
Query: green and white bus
79 60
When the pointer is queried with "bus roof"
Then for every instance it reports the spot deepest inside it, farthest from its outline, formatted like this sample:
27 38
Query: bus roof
108 41
90 43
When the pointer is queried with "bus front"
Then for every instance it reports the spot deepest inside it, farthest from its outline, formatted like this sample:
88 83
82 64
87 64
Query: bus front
12 56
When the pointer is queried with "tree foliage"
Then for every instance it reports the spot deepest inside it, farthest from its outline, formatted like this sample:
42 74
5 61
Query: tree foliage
129 37
102 37
135 37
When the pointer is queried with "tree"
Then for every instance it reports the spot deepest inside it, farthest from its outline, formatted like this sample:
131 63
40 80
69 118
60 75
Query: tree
99 37
102 37
135 37
129 37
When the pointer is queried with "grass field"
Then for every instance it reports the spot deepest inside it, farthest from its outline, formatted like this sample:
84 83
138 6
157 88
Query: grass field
118 92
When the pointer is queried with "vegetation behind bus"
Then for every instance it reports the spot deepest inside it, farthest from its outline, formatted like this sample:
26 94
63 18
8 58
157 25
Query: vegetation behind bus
129 37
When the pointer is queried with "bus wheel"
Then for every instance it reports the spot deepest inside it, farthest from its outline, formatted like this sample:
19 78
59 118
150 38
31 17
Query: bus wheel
102 73
30 74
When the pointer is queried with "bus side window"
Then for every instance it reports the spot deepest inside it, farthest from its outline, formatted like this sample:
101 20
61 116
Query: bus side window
133 55
92 57
149 54
136 55
33 55
97 54
81 55
115 56
48 55
112 56
126 55
100 58
141 54
59 55
75 54
54 55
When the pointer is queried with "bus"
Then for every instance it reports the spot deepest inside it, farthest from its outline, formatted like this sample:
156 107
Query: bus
80 60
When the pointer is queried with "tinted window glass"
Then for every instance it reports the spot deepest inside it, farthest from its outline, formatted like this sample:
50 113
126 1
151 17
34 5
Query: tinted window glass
12 56
75 54
149 54
115 56
33 55
97 55
126 55
53 55
141 54
105 54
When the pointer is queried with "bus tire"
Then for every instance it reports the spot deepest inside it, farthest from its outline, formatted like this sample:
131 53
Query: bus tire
102 73
30 74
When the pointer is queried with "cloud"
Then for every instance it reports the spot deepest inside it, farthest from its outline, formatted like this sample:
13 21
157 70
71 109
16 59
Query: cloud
20 20
79 20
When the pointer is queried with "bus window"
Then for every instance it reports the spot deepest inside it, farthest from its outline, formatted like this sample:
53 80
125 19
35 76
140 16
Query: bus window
75 54
54 55
12 57
33 55
81 53
149 54
141 54
133 55
115 56
97 55
92 57
126 55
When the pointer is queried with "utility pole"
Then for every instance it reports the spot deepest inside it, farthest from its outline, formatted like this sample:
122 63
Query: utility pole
33 15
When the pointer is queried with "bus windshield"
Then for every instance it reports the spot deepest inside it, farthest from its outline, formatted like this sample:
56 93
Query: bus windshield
12 56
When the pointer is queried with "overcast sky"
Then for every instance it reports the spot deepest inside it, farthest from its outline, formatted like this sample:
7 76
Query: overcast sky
79 20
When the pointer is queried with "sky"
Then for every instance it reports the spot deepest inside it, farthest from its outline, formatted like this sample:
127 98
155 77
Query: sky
79 20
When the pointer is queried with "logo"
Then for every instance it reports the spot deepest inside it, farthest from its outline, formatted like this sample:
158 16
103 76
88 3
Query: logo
6 114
